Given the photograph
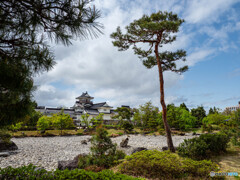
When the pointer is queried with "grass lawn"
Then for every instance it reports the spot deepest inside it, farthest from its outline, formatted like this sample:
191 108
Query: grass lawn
52 132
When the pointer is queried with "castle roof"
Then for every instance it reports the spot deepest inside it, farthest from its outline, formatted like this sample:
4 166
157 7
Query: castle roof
84 95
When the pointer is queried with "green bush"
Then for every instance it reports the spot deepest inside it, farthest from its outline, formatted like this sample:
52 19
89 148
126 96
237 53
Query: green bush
127 126
5 136
43 123
203 146
155 164
32 172
103 151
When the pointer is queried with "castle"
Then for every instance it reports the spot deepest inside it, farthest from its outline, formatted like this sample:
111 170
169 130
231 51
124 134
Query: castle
83 105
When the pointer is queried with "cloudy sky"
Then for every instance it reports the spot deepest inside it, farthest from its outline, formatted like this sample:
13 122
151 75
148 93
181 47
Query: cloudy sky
210 35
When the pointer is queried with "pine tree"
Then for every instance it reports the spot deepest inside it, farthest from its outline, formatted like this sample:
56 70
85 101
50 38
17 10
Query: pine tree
25 28
155 30
103 151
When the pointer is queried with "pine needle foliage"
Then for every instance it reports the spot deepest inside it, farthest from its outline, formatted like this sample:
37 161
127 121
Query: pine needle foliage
25 28
156 30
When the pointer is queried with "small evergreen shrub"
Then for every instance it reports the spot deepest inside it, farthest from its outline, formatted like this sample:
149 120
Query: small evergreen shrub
103 151
203 146
5 136
32 172
127 126
167 165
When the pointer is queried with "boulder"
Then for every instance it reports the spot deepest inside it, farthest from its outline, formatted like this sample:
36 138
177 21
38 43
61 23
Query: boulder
4 154
84 142
70 164
182 134
7 146
138 149
124 143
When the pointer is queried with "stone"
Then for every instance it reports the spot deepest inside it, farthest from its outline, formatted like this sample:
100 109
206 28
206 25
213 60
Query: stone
4 154
182 134
70 164
84 142
42 131
124 143
7 146
138 149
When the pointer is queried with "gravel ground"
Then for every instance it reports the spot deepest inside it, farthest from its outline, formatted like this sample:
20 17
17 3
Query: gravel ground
47 151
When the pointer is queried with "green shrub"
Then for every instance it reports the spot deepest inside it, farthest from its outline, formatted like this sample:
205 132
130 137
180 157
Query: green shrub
203 146
5 136
103 151
127 126
32 172
155 164
43 123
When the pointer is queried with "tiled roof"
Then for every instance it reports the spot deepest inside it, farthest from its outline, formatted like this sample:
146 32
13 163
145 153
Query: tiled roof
98 105
92 111
84 95
58 110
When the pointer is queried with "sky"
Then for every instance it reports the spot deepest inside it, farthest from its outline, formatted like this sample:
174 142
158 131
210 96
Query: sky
210 35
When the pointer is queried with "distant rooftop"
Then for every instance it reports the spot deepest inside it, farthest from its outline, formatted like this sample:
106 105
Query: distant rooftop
84 95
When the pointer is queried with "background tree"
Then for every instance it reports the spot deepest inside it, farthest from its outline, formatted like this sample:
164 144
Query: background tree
180 118
98 120
183 105
155 30
85 120
148 115
62 121
25 27
199 113
43 123
123 113
211 111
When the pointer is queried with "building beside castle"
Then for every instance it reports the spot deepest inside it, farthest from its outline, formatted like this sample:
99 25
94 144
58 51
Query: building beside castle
84 105
233 108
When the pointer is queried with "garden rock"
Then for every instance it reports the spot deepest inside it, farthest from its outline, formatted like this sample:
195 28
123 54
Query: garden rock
70 164
124 143
4 154
182 134
84 142
7 146
138 149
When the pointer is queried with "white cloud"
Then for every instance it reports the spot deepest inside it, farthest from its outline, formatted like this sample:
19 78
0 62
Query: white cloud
205 11
119 77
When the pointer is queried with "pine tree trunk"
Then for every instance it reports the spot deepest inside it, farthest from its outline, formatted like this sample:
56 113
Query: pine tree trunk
162 101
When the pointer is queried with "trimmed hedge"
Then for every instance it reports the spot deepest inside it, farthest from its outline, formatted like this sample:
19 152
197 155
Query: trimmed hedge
167 165
32 172
203 146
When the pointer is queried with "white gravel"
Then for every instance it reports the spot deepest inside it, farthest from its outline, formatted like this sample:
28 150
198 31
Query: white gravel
47 151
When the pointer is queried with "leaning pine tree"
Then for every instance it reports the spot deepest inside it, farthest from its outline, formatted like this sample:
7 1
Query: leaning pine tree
156 30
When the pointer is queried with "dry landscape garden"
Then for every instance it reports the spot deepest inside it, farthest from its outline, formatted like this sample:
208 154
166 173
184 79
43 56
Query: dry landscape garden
174 142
